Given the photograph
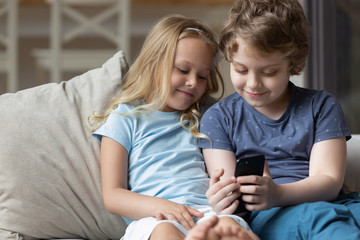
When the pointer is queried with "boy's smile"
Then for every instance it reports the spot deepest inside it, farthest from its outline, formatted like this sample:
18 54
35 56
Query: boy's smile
261 79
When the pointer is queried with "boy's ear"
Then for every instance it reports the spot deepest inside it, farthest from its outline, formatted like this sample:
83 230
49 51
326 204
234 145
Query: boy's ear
295 68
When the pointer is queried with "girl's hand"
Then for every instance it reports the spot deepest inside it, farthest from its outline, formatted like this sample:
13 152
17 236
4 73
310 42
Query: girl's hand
168 210
222 194
261 194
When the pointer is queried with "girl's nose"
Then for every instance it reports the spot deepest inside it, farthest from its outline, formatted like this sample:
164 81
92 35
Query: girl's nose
191 81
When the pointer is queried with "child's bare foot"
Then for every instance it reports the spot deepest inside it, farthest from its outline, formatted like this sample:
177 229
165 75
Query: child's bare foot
204 230
228 229
234 233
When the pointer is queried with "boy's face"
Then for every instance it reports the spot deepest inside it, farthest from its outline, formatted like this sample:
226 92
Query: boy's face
261 79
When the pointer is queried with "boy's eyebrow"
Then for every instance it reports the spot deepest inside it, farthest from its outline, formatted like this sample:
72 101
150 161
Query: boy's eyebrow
270 65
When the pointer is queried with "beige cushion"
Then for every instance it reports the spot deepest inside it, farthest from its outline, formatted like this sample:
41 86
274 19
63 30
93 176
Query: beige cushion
49 162
352 177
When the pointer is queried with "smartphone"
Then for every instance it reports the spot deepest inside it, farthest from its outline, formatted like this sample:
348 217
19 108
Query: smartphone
248 166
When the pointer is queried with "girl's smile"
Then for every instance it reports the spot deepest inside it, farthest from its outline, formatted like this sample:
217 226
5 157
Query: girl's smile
186 94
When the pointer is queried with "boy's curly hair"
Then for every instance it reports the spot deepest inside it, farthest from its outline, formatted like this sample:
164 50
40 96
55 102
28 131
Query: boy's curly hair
268 25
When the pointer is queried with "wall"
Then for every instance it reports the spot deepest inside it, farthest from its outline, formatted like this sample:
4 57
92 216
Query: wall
34 32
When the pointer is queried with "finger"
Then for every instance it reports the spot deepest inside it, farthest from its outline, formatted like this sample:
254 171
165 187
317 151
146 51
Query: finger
250 189
186 220
255 207
250 198
185 223
215 177
231 208
267 170
227 193
195 213
220 185
250 180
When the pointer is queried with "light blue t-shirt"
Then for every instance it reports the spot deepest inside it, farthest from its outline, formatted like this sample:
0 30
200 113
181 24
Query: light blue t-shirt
311 116
164 159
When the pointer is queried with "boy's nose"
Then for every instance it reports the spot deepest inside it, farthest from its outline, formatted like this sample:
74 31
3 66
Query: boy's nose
253 81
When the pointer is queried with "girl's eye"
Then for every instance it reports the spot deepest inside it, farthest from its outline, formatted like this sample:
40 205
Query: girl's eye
241 71
183 71
203 77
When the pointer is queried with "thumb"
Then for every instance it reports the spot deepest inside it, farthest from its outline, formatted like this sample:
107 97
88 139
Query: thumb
215 177
266 170
160 216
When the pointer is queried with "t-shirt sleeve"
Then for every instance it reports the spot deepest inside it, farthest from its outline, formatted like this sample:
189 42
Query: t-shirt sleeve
329 118
215 125
117 127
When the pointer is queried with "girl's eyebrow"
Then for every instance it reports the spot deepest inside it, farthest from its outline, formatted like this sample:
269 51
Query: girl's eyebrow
237 63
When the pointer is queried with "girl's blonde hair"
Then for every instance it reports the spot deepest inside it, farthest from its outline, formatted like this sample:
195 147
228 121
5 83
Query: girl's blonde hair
149 77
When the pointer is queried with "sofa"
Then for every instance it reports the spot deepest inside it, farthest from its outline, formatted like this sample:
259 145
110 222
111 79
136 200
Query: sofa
50 165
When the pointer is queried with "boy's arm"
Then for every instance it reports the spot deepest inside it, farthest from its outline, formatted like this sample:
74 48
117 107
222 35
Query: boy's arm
223 190
118 200
326 176
216 159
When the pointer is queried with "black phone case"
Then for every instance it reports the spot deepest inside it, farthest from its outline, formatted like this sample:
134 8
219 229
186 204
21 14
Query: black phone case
248 166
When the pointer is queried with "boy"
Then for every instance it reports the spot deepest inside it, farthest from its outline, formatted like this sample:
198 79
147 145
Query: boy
301 132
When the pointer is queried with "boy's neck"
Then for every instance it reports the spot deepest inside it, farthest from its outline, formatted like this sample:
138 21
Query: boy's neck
276 110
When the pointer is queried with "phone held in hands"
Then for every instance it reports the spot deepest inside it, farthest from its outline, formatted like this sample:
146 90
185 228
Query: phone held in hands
253 165
250 166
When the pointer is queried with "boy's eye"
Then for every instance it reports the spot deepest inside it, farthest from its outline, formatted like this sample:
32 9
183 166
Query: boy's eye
269 74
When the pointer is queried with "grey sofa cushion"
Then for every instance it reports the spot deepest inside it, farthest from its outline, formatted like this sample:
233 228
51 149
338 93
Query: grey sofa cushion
49 162
352 178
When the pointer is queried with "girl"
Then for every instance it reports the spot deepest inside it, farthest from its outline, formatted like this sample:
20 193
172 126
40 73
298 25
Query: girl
152 171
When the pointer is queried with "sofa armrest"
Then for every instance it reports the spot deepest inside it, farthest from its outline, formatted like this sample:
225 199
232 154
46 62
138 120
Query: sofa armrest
352 177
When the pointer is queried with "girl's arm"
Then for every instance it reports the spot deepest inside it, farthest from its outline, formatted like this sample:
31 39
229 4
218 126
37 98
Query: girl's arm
118 200
326 176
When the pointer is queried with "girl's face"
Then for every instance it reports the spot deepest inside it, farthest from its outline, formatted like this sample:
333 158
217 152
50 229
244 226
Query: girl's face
261 79
190 73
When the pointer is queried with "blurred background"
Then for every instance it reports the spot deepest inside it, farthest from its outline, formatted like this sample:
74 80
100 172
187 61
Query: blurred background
45 41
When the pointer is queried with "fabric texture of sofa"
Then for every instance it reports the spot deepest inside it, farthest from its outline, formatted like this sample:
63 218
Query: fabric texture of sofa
50 165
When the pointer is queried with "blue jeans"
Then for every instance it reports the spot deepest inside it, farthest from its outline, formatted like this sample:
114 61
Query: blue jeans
339 219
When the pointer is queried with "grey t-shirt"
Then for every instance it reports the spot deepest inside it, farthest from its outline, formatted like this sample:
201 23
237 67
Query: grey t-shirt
312 116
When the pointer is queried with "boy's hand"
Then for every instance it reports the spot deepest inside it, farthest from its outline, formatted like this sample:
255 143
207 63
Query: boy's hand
222 194
168 210
261 194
